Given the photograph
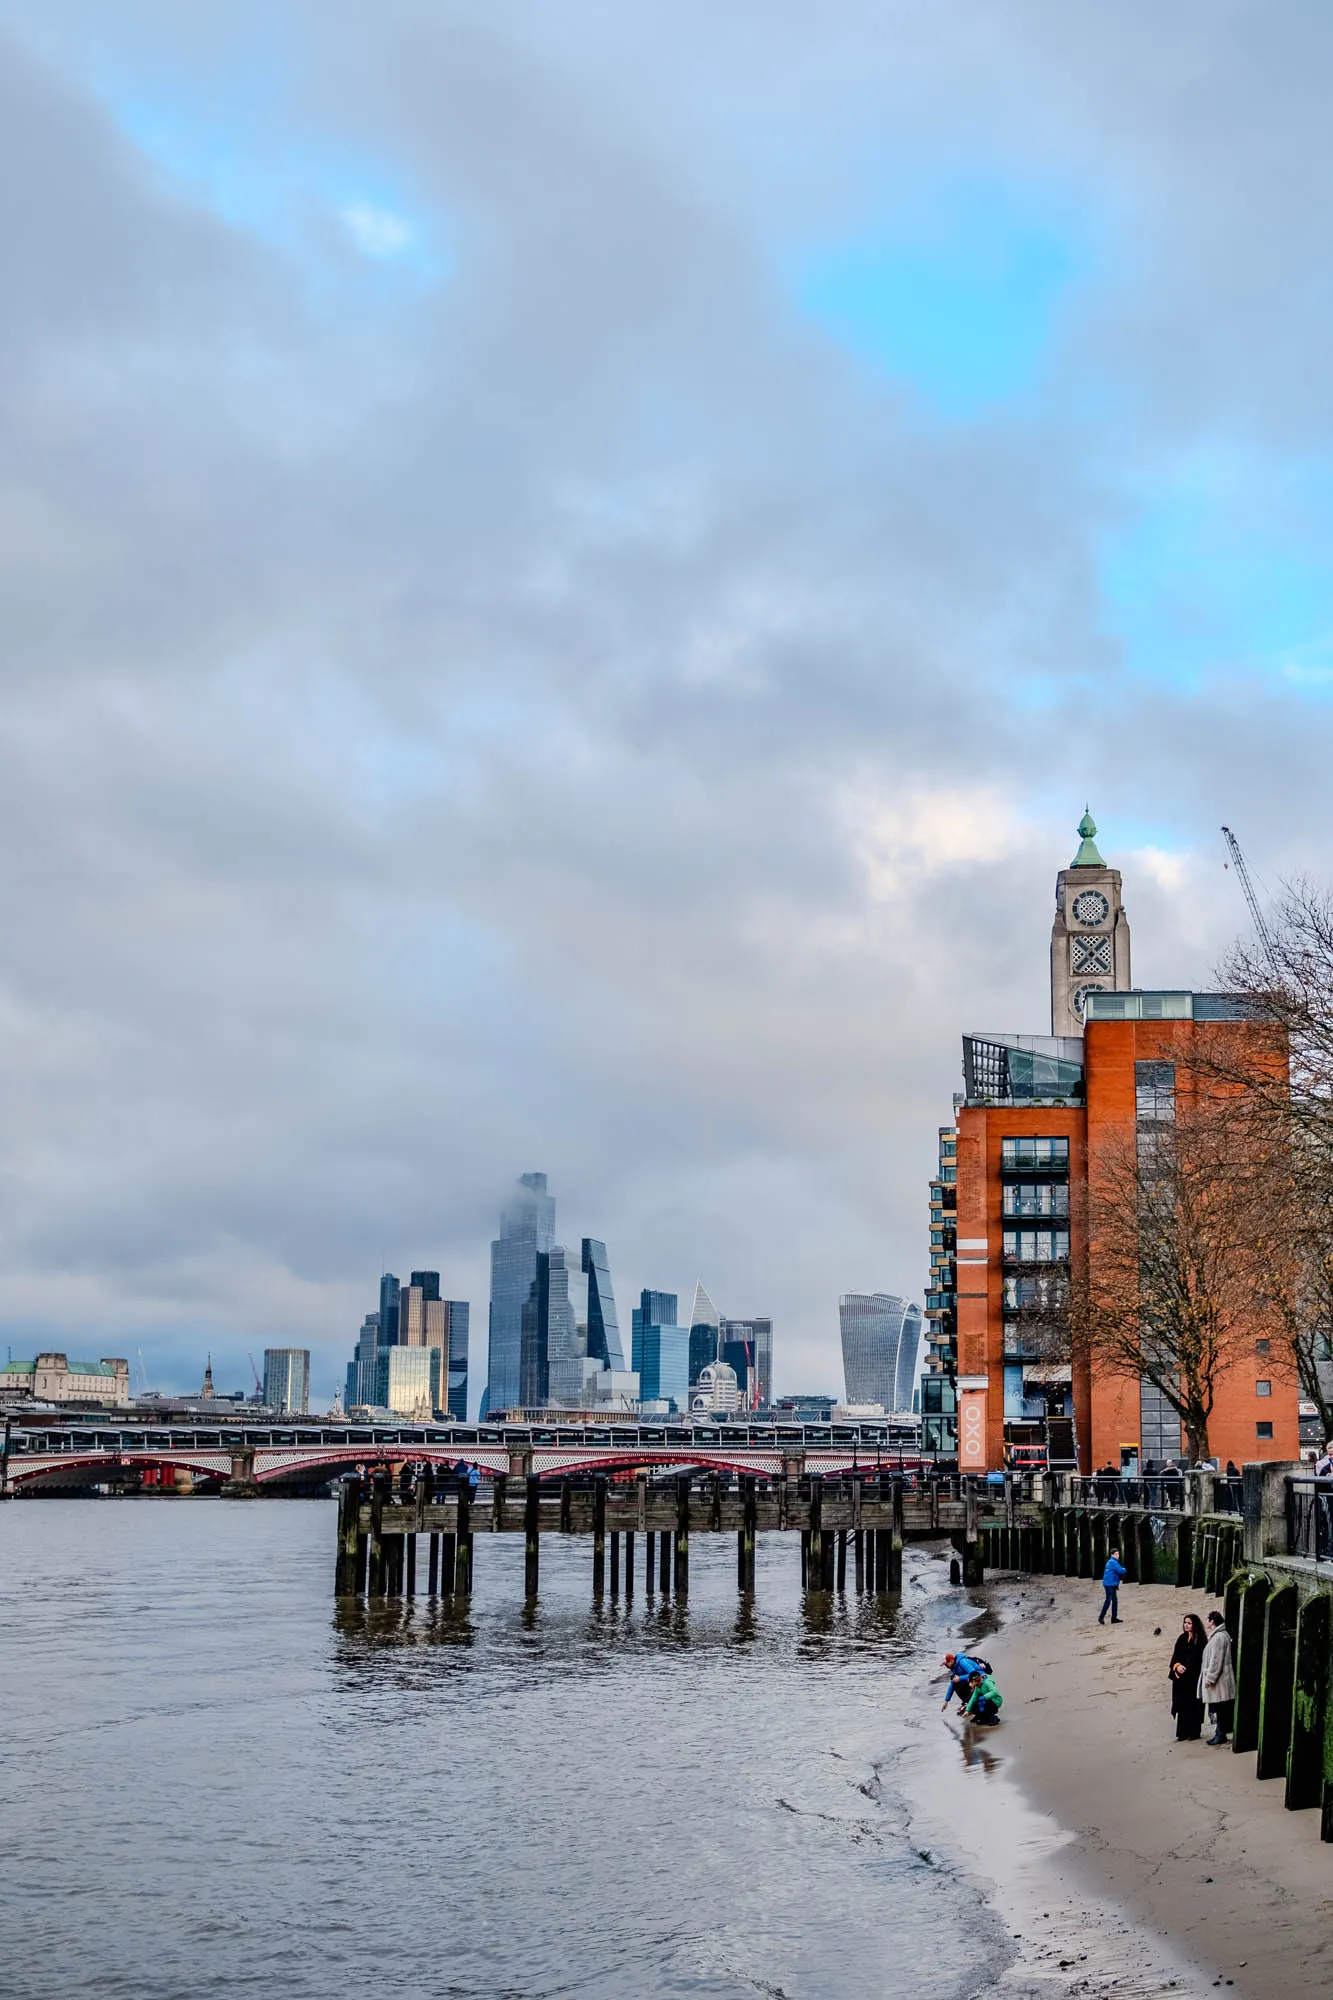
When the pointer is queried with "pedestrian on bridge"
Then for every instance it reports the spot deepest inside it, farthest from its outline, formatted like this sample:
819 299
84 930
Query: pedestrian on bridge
1112 1577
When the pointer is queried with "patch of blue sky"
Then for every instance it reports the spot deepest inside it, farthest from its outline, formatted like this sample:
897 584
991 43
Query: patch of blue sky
299 193
958 297
1224 573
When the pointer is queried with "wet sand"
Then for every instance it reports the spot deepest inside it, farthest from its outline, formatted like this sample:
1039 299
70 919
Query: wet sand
1178 1837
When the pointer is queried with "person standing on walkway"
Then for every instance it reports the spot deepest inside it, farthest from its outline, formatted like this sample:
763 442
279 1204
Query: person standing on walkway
1186 1666
1217 1678
1112 1577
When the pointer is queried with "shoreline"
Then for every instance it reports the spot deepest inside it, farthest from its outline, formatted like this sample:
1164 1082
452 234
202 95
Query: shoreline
1168 1864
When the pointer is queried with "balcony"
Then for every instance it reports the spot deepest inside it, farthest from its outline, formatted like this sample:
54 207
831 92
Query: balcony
1024 1198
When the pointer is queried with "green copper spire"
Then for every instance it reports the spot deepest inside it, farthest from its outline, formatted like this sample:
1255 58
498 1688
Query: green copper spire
1087 856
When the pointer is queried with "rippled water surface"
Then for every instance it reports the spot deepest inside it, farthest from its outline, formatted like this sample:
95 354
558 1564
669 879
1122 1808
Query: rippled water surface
215 1783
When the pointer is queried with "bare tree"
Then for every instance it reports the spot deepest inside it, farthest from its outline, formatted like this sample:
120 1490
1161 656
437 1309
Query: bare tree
1164 1289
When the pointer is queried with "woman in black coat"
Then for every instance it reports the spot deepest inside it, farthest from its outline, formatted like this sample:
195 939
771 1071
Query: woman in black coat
1185 1662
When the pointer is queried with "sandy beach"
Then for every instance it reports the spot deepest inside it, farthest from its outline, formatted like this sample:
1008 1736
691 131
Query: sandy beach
1179 1837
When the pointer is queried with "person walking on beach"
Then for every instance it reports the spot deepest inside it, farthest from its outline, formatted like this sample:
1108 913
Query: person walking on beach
1186 1666
1217 1678
1112 1577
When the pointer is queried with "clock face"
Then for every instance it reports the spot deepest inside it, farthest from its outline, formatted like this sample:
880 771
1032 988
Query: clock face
1090 954
1081 995
1091 907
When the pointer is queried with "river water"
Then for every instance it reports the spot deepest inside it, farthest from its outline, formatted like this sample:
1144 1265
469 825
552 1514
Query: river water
214 1782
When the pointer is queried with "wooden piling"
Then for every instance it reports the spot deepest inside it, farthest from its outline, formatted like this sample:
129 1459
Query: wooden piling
432 1565
1184 1552
615 1563
859 1559
749 1529
895 1581
815 1555
378 1580
1249 1663
448 1565
629 1562
463 1553
532 1500
842 1559
411 1542
649 1571
682 1577
598 1536
1275 1689
827 1556
1305 1753
664 1563
805 1559
566 1507
349 1516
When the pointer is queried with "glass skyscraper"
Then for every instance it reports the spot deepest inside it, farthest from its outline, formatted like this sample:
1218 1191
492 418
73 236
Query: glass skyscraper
661 1350
881 1346
361 1368
603 1325
555 1318
704 1325
459 1315
388 1310
287 1379
527 1226
747 1346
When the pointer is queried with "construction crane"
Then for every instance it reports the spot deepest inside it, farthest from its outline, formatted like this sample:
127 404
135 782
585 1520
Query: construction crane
1255 912
259 1387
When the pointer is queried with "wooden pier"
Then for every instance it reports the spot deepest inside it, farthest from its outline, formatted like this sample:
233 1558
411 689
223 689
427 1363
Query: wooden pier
380 1526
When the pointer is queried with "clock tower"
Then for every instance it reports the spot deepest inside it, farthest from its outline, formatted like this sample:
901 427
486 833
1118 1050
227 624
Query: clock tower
1090 935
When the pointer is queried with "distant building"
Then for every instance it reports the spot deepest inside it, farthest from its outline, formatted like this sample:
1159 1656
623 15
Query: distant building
551 1354
287 1380
747 1346
881 1341
603 1343
717 1392
527 1227
403 1382
388 1313
360 1389
459 1313
808 1409
661 1350
54 1378
704 1324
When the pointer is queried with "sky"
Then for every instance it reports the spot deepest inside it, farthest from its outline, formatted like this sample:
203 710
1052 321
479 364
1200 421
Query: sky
567 575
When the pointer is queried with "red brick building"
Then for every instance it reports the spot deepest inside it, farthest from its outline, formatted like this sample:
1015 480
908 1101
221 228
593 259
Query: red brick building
1036 1113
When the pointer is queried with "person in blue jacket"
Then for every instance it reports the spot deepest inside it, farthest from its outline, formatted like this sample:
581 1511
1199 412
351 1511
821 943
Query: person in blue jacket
1112 1577
961 1668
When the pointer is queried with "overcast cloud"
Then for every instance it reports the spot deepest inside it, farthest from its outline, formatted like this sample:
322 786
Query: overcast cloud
567 575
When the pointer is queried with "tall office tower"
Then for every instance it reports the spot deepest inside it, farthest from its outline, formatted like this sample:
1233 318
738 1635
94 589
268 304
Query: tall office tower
880 1337
1090 935
603 1325
661 1351
459 1314
388 1310
361 1368
527 1226
910 1358
747 1346
422 1320
287 1379
704 1323
554 1332
403 1381
429 1282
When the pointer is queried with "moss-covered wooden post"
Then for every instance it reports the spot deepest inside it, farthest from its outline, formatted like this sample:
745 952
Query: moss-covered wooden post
1250 1661
1184 1552
1235 1584
1305 1755
1129 1546
531 1534
1276 1683
1147 1549
681 1579
1098 1544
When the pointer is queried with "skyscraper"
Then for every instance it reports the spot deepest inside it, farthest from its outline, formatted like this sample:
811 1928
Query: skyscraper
459 1314
527 1226
388 1310
704 1323
881 1336
661 1350
287 1379
603 1325
361 1368
554 1332
747 1346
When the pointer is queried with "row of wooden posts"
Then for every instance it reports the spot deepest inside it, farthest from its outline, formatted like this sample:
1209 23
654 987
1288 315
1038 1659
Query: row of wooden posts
1200 1553
378 1558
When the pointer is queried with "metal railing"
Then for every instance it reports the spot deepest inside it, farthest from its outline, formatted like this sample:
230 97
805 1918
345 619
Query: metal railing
1310 1519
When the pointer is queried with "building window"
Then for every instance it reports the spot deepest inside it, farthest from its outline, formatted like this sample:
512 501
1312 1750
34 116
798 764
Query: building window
1262 1346
1036 1198
1036 1246
1263 1430
1263 1388
1046 1151
1155 1093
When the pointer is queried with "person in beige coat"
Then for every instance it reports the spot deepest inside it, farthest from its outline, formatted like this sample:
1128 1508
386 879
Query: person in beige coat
1217 1678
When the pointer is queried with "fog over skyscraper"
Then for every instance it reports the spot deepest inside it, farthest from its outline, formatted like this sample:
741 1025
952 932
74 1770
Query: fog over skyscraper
527 1226
881 1344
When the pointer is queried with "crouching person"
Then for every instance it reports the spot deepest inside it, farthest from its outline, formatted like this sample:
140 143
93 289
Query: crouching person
984 1699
